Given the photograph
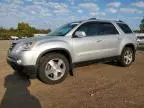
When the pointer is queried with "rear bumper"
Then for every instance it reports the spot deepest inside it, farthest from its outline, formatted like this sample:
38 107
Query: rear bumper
30 70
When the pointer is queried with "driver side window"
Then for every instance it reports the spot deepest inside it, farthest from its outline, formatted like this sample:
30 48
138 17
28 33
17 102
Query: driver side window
89 28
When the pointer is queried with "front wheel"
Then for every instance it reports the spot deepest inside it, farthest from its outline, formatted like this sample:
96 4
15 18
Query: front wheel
127 57
54 68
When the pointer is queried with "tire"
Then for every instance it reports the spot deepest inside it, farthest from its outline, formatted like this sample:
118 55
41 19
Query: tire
127 57
50 68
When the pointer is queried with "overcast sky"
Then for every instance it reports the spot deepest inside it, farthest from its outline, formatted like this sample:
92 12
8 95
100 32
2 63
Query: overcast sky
53 13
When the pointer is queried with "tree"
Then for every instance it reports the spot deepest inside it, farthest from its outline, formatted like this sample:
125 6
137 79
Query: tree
23 29
142 25
136 31
22 26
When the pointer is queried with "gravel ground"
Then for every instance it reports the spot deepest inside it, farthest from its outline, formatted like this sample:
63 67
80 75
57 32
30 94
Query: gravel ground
94 86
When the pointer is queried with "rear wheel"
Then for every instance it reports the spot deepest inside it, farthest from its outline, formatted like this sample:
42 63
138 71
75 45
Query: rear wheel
53 68
127 57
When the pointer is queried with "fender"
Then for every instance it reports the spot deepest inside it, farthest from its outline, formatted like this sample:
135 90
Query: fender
55 50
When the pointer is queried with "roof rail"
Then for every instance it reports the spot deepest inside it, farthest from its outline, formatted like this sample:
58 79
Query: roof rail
92 19
120 21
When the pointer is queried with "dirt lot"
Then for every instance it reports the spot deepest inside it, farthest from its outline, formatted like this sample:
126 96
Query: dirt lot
94 86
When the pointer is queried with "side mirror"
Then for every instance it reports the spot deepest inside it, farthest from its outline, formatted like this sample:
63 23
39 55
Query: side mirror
80 34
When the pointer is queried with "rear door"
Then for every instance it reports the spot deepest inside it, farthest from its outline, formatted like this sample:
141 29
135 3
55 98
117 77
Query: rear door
110 39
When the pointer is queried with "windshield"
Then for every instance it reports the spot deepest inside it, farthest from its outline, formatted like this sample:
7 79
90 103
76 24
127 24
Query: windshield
63 30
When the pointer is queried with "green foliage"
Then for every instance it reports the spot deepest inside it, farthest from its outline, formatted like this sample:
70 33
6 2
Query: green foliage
142 25
136 31
22 30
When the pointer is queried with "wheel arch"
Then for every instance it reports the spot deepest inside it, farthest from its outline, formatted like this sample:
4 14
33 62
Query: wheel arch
132 46
62 51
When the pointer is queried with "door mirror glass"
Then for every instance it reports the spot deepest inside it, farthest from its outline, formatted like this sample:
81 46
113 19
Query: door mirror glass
80 34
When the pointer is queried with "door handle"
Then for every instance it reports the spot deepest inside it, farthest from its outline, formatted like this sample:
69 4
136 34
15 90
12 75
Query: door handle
119 38
99 40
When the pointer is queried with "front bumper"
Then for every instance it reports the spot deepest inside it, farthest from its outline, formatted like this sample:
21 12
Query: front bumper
29 70
140 42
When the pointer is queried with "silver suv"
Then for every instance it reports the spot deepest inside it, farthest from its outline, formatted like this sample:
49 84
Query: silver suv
51 58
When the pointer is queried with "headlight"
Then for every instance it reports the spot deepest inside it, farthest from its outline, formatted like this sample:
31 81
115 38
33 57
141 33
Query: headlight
28 45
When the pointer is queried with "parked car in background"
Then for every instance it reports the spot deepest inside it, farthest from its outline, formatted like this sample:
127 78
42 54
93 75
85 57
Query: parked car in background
140 38
39 35
50 58
14 38
23 37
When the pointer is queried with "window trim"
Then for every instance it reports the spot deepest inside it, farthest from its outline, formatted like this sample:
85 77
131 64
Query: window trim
118 33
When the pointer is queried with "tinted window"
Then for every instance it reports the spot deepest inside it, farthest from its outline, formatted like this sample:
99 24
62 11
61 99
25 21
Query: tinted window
98 28
107 29
89 28
124 27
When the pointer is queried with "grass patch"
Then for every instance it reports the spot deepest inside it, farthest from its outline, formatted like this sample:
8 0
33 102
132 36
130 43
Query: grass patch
140 48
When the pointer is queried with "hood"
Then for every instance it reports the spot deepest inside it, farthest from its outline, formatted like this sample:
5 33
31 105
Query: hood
39 39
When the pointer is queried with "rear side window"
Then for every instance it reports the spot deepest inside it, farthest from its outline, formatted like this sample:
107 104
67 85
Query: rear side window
98 28
107 29
124 27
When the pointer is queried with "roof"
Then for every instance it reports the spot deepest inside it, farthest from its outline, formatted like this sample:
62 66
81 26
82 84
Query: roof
94 19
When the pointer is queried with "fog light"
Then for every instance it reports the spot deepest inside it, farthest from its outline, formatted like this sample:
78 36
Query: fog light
138 40
19 61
